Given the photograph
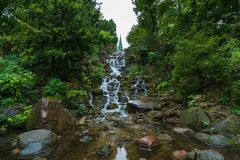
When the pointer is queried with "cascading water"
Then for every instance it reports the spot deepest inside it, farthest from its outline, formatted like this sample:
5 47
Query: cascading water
90 99
111 85
140 88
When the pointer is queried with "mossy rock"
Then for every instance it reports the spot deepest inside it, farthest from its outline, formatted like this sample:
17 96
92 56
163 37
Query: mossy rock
194 118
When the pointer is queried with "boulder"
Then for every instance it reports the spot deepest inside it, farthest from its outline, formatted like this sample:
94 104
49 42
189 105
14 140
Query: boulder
36 142
194 118
51 114
205 155
228 128
215 140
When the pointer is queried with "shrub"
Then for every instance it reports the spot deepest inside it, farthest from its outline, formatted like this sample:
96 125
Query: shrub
15 82
236 110
55 88
191 101
16 121
198 66
135 70
163 86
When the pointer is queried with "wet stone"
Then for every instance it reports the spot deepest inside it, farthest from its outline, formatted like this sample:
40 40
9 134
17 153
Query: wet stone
165 137
85 139
215 140
179 155
205 155
105 149
148 142
180 130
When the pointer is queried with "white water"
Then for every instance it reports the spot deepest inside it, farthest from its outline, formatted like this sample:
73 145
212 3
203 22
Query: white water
90 99
111 85
140 88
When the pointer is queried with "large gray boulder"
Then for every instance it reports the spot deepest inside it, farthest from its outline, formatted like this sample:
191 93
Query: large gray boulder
194 118
36 142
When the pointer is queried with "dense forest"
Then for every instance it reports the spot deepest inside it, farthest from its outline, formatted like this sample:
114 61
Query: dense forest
47 43
193 46
69 90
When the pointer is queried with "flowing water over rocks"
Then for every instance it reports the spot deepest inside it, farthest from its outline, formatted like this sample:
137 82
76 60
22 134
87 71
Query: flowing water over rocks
125 135
111 86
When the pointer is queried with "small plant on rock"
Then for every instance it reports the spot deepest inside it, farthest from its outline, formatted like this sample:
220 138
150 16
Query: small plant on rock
55 88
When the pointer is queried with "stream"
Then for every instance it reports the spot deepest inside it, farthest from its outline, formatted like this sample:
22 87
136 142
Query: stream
119 129
116 127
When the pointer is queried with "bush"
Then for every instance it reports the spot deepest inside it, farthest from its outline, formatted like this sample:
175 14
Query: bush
16 121
198 66
162 86
15 82
55 88
236 110
135 70
191 101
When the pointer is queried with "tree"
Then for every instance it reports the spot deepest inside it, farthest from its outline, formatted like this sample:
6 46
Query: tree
56 36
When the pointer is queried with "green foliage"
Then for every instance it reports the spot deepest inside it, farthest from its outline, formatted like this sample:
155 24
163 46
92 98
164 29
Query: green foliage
56 36
76 94
162 86
76 99
81 109
224 99
236 110
16 121
135 70
193 43
55 88
97 70
198 65
15 82
191 101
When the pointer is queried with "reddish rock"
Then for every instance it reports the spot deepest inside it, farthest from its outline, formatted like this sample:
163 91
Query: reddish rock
179 155
148 142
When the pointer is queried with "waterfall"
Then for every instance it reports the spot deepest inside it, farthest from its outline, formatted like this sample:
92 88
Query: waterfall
111 85
90 99
140 88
